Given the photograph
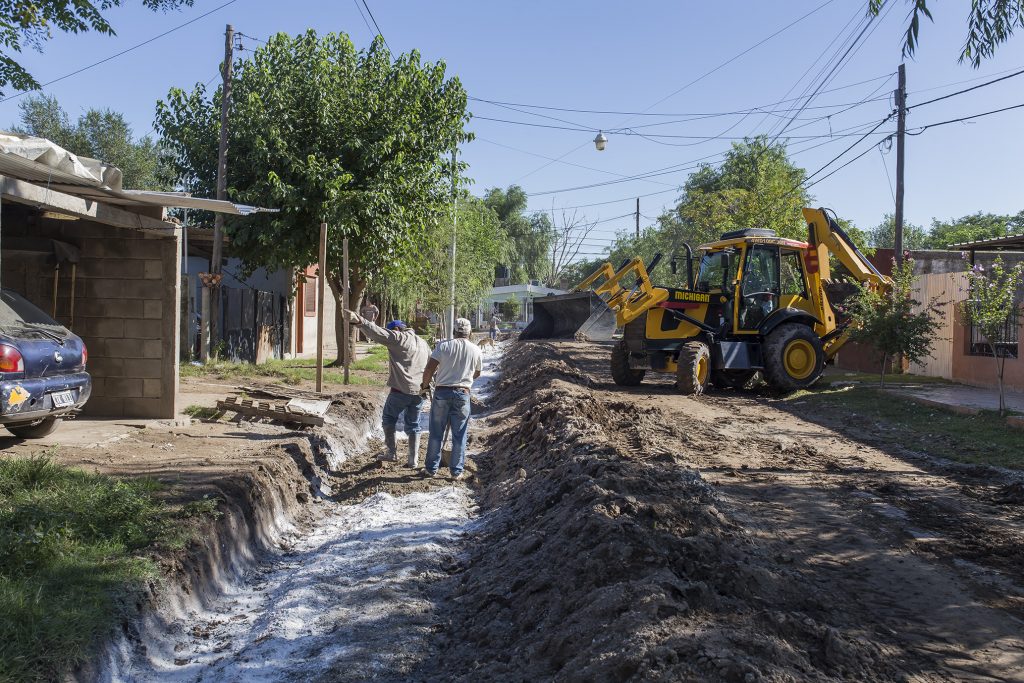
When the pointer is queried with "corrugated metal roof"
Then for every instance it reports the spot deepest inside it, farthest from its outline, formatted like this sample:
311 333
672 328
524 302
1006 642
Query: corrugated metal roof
1007 242
40 161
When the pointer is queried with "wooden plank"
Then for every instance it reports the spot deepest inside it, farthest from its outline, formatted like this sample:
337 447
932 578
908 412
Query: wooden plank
267 410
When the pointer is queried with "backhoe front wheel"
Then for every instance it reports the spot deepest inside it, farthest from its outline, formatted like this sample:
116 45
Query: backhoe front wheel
793 357
693 368
624 375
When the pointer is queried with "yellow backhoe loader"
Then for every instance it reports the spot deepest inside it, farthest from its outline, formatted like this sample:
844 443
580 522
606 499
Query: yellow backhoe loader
757 302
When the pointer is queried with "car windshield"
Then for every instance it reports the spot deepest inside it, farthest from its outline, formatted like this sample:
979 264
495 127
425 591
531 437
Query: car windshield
17 314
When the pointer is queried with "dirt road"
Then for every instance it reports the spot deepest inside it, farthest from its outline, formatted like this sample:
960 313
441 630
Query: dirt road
640 534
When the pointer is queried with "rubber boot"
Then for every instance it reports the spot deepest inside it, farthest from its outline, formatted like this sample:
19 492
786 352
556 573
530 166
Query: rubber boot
414 450
391 449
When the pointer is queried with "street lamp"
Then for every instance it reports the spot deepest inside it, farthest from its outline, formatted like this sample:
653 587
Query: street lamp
600 141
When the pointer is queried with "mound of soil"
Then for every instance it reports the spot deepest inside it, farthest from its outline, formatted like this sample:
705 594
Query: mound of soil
602 561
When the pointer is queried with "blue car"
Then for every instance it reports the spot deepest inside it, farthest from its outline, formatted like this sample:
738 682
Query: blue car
42 369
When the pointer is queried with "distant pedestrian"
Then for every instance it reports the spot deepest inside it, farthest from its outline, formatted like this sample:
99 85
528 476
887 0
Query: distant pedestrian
455 363
407 359
495 321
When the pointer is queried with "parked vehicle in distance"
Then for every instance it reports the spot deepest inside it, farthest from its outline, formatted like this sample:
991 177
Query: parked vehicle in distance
42 369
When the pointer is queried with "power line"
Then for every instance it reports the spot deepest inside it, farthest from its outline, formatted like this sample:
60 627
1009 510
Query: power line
965 90
362 16
922 129
122 52
629 131
859 140
374 20
696 80
696 115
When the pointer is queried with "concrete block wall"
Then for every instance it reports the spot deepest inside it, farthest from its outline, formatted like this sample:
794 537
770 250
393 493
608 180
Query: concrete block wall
125 309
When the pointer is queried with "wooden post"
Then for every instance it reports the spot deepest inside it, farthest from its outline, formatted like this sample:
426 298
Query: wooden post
345 298
204 327
901 132
321 281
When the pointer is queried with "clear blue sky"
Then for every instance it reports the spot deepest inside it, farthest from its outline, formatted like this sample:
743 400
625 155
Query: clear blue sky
625 57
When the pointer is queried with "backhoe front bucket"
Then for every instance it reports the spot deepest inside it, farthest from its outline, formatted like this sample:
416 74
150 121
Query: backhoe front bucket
580 315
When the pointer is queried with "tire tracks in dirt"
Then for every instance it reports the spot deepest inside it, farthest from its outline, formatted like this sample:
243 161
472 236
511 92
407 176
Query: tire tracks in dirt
636 534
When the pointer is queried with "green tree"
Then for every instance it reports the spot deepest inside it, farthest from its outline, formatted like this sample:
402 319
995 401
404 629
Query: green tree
529 236
755 187
883 235
511 308
322 131
992 305
33 22
990 23
892 321
977 226
98 133
480 243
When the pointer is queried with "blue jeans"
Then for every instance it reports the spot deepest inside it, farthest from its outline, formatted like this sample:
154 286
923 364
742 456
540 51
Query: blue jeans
448 407
399 403
494 333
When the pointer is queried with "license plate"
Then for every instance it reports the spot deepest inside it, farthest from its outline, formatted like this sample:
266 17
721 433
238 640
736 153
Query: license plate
63 399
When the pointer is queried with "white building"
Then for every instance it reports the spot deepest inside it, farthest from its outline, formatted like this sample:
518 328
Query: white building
525 294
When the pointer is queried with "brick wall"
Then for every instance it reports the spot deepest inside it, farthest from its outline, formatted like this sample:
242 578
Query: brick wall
126 289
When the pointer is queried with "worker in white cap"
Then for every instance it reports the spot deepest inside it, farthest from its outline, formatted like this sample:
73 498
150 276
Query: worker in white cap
454 364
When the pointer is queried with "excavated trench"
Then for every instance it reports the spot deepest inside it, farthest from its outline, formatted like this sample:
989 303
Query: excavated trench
343 586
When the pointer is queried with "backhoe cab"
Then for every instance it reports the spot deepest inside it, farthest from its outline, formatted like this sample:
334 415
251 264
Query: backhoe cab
757 302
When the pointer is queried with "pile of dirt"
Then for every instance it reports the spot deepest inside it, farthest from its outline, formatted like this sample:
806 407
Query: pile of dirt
602 562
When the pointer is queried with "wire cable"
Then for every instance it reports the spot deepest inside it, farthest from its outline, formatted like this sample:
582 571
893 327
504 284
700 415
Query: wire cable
122 52
374 20
965 90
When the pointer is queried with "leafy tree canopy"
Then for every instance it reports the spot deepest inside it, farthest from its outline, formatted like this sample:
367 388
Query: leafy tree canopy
529 236
33 22
893 321
325 132
98 133
977 226
990 23
755 187
883 235
993 301
481 243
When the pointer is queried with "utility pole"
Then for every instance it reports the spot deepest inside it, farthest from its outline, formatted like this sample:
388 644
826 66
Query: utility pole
638 218
222 182
901 133
451 253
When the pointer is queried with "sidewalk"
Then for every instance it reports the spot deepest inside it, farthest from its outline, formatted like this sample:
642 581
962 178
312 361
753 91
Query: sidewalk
965 400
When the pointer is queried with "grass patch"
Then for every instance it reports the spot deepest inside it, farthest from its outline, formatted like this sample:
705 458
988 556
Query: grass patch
292 370
201 412
978 439
74 551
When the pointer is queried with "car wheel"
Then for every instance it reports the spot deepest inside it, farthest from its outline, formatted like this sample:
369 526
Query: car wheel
34 431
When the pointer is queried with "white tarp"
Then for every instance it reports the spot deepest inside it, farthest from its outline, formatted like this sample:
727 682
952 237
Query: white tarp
38 160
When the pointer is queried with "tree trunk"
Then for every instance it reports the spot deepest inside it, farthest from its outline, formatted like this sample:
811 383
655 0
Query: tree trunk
1000 366
357 287
885 361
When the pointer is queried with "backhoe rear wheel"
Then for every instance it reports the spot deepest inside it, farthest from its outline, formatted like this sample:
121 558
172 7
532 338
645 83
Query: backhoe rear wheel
624 375
793 357
694 368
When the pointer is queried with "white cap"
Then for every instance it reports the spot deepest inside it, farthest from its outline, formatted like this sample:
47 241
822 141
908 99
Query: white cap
463 326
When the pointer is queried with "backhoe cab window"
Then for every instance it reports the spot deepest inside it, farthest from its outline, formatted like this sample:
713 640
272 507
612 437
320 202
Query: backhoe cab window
714 271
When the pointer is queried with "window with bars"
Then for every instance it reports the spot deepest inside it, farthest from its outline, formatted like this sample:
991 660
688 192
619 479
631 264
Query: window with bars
1006 343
